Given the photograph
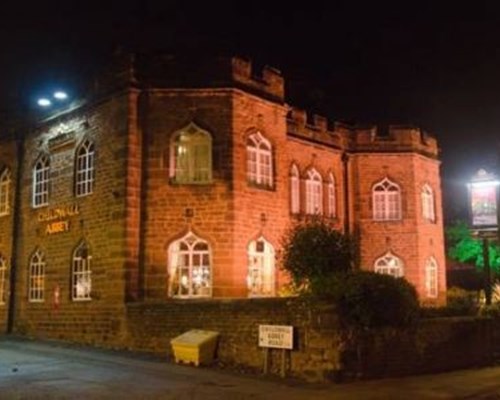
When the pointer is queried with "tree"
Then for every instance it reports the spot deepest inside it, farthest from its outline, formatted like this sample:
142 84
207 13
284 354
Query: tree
464 248
314 250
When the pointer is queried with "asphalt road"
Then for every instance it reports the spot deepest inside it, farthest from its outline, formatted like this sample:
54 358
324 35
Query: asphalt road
48 370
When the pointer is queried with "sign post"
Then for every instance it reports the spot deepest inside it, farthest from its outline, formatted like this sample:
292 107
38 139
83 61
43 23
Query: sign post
276 337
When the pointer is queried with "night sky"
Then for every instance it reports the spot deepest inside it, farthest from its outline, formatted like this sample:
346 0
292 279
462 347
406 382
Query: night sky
433 65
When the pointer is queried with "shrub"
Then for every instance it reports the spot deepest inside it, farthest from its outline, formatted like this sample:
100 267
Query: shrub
368 300
314 250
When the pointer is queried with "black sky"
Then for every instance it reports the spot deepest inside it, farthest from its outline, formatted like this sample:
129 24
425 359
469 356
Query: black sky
436 66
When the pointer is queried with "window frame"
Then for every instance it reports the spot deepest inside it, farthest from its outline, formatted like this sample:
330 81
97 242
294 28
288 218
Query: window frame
331 197
5 191
431 278
195 138
381 265
386 201
41 182
259 155
175 268
84 174
314 192
428 204
81 273
294 190
36 278
261 268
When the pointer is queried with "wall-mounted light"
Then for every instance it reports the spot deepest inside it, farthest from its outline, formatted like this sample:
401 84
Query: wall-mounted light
44 102
60 95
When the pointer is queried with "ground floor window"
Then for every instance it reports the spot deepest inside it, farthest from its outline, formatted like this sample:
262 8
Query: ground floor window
389 264
81 282
36 285
3 277
261 260
431 278
190 272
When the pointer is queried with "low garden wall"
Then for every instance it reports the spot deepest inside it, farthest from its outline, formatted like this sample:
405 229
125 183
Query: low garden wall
321 352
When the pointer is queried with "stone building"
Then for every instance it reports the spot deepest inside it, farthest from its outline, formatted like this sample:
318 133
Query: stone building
177 182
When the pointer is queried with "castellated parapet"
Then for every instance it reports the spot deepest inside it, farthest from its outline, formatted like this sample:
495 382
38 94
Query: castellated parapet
399 138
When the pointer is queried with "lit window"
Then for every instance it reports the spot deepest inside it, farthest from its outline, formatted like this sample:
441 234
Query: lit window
41 174
5 192
84 172
389 264
332 201
81 279
260 279
191 155
190 268
294 190
3 277
314 193
386 201
259 160
36 286
431 278
428 203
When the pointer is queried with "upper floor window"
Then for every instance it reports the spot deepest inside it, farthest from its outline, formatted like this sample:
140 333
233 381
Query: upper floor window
3 278
332 199
314 192
81 279
191 155
428 203
389 264
190 267
41 173
5 183
294 190
386 201
84 169
261 271
431 278
259 160
36 284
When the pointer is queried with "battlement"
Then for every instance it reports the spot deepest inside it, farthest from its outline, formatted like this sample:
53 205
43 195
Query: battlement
316 128
399 138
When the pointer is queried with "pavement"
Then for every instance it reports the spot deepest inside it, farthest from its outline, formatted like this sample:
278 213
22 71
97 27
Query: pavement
51 370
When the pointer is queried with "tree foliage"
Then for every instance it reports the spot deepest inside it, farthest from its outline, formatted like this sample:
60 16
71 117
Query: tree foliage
314 250
464 248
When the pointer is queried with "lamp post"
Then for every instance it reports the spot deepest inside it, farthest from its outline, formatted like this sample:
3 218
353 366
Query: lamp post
483 211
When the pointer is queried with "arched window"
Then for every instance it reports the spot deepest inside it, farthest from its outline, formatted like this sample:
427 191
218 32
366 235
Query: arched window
190 267
84 169
261 271
390 264
428 203
294 190
431 278
41 176
81 279
386 201
3 277
314 193
191 155
36 284
259 160
332 199
5 192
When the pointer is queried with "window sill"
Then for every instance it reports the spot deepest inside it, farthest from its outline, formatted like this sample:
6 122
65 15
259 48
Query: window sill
260 186
173 182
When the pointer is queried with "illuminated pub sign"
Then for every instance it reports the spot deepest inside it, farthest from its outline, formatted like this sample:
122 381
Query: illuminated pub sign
483 194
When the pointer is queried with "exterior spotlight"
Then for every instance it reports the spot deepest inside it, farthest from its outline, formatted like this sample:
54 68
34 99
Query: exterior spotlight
44 102
60 95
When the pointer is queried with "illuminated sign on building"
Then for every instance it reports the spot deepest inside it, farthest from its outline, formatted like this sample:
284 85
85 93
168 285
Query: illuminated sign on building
57 218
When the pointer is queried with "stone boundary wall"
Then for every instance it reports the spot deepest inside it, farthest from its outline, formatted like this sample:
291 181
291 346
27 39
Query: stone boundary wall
320 353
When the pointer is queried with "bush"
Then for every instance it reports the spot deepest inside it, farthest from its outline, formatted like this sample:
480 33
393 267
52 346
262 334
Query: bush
368 300
314 250
459 303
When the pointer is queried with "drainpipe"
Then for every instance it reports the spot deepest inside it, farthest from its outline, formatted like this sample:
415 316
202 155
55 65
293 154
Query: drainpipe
347 223
16 227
